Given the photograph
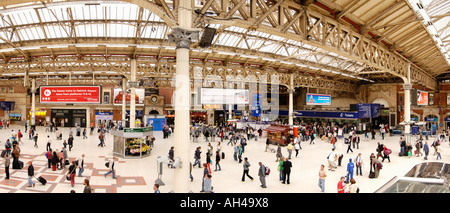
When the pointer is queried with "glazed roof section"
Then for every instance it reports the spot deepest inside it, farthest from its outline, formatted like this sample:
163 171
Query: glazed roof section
115 19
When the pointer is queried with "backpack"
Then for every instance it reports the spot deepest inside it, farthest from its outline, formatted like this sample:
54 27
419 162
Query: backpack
267 170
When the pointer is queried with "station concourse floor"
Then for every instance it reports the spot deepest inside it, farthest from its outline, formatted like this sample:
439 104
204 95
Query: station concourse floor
139 175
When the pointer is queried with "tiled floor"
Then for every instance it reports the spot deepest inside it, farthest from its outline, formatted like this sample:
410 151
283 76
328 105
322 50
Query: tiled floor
139 175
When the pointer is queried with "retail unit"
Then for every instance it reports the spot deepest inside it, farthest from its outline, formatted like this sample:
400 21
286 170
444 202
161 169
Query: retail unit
130 142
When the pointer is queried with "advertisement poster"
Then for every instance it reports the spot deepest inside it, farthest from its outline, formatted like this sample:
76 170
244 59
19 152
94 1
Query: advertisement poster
223 96
422 97
70 94
139 97
318 99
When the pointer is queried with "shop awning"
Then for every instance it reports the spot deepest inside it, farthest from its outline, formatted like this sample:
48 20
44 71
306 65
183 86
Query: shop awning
276 128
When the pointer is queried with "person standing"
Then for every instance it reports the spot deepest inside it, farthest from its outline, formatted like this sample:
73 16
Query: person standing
426 150
218 161
35 138
262 175
359 163
280 168
54 160
350 167
322 176
7 164
72 172
205 174
49 143
49 158
341 185
30 174
80 165
246 166
287 171
87 186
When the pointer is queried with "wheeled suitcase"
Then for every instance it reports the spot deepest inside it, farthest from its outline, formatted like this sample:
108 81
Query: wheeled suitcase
42 180
223 155
372 175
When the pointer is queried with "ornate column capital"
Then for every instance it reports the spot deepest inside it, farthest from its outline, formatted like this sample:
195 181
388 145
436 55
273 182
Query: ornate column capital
183 37
407 86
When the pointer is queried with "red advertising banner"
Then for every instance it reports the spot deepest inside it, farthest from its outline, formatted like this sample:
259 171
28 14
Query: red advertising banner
70 94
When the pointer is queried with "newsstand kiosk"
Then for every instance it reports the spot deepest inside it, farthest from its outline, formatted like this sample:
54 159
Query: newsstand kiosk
130 142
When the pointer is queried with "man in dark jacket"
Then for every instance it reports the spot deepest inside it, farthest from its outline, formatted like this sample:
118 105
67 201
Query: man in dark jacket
287 171
262 175
30 174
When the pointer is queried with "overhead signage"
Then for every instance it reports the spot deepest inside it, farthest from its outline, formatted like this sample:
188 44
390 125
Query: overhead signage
70 94
318 99
139 97
223 96
256 105
320 114
364 110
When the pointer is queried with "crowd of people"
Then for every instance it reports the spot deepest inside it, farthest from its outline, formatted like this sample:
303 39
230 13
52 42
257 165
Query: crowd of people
311 134
57 159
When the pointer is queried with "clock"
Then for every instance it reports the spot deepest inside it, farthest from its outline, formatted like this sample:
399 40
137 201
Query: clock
154 99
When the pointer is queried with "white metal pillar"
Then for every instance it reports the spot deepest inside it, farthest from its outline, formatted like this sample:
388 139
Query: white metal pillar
182 35
291 101
407 115
133 94
124 102
33 102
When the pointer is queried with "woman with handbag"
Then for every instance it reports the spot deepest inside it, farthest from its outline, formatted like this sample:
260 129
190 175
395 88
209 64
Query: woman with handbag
71 173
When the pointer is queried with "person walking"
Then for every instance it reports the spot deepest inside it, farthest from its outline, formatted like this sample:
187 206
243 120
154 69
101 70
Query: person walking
349 144
262 175
279 155
84 133
287 171
30 174
240 151
438 151
297 147
290 147
386 153
197 156
110 165
70 142
101 137
246 166
72 172
322 176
